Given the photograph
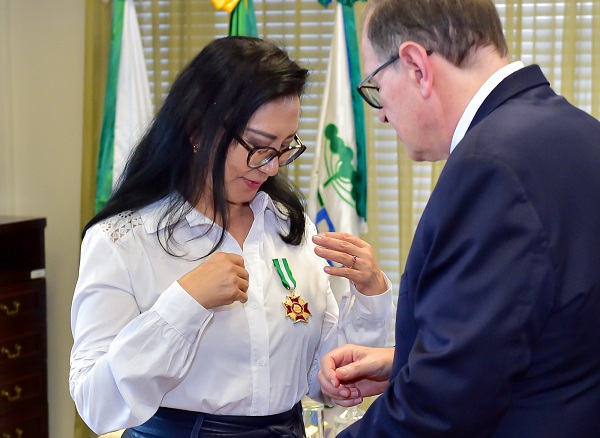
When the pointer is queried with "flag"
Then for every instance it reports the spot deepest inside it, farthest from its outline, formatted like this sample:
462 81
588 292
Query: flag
337 194
242 21
127 103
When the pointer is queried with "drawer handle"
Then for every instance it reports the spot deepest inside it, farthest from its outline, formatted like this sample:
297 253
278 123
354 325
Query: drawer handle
11 398
16 305
18 432
10 355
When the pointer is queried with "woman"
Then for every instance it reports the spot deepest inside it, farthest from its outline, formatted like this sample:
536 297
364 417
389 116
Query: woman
201 308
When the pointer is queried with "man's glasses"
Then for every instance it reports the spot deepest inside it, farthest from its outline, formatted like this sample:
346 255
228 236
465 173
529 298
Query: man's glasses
369 91
259 156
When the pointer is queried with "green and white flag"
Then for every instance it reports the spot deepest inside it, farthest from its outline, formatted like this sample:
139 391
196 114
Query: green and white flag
337 196
127 103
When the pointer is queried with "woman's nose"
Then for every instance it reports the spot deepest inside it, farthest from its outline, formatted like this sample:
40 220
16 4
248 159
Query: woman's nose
271 168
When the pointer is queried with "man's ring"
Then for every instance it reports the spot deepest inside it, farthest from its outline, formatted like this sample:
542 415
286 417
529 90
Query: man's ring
353 262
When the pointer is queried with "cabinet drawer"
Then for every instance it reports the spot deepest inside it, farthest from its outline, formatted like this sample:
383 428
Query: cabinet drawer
24 426
19 354
24 395
20 304
23 345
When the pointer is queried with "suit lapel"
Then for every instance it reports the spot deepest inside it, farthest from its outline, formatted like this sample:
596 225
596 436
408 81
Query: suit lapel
518 82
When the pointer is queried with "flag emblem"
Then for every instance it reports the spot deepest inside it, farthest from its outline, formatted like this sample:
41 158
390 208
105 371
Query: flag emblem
340 171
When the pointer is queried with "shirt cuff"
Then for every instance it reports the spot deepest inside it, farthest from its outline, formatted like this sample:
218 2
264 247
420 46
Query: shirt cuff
374 307
182 312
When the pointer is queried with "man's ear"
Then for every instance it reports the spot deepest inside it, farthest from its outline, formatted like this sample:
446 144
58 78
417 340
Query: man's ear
414 57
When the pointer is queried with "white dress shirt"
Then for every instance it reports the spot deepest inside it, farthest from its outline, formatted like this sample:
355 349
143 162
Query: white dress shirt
141 341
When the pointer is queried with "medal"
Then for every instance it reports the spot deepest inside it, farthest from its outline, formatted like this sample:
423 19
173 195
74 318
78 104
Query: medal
295 307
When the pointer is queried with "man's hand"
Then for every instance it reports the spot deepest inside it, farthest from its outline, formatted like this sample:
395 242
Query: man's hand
351 372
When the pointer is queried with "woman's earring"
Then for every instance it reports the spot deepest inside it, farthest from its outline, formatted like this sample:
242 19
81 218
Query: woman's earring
195 148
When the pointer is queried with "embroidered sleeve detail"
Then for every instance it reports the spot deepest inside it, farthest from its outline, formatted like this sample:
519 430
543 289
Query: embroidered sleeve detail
121 224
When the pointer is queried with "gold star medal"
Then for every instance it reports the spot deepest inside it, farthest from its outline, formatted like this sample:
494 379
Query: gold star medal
295 307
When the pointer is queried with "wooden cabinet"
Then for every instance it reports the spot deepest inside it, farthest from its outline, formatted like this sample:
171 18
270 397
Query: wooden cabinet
23 353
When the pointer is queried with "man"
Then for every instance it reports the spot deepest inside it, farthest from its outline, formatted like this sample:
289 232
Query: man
498 323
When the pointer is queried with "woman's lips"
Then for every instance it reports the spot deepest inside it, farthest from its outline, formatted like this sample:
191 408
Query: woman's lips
253 184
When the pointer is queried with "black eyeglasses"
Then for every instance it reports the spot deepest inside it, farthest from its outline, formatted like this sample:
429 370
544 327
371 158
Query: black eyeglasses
370 92
259 156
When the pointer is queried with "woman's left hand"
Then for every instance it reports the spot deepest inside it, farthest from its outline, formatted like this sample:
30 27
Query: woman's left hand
359 263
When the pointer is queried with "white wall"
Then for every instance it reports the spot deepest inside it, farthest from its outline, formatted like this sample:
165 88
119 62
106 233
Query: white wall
41 102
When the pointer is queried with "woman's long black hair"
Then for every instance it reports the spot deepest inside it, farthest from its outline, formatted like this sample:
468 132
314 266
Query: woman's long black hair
211 100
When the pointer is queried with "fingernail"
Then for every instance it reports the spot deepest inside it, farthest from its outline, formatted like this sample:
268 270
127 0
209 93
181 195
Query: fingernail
344 393
317 238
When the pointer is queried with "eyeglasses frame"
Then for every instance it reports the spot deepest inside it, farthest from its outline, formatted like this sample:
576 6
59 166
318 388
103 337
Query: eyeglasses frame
277 152
366 81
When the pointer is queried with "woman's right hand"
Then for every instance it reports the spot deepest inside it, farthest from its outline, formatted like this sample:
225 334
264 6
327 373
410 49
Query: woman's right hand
220 280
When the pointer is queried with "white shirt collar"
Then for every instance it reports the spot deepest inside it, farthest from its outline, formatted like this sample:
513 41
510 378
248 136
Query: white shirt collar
152 214
485 90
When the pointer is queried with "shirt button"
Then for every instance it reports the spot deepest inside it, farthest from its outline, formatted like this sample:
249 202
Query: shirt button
261 362
254 306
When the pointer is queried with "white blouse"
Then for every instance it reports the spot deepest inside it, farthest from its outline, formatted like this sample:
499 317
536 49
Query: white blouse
141 341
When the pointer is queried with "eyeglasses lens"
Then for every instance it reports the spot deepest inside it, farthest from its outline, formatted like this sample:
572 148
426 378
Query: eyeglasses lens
290 155
261 156
371 94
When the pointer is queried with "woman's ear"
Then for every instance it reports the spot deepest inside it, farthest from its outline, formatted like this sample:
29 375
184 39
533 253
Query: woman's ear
194 137
194 142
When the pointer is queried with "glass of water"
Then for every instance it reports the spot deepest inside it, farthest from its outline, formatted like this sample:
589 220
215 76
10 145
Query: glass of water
312 413
346 418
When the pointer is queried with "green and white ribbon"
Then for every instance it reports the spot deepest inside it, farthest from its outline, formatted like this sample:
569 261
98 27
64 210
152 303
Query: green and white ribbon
285 273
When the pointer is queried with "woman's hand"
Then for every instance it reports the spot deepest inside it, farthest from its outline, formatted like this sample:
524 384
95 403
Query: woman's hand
360 265
220 280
